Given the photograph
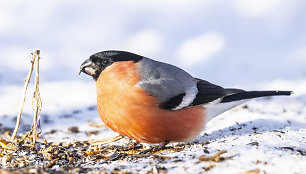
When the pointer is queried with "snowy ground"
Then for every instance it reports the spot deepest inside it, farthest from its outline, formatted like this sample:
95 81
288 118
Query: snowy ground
265 134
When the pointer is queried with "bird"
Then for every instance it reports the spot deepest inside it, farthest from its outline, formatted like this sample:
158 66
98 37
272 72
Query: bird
154 102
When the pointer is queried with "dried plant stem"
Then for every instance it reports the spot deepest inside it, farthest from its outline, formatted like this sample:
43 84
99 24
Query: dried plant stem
107 140
27 80
216 157
36 102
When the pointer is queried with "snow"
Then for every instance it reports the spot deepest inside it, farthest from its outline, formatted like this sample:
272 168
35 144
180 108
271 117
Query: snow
255 46
268 134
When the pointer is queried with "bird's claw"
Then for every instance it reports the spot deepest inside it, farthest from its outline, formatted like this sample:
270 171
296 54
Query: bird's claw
154 149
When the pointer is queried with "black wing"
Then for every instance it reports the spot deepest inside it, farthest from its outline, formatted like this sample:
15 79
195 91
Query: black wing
207 92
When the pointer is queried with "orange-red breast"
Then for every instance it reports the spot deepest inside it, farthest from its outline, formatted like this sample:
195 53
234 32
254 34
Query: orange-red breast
154 102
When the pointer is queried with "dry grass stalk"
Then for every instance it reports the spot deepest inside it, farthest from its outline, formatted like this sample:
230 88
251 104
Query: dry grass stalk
27 80
36 100
255 171
216 157
51 163
96 125
107 140
6 145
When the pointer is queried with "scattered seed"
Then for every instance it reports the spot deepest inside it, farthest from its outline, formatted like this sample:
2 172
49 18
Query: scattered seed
51 163
73 129
89 133
216 157
251 172
114 156
209 167
71 160
9 157
255 143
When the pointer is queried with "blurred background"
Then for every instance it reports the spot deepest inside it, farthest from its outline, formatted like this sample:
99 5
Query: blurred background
230 43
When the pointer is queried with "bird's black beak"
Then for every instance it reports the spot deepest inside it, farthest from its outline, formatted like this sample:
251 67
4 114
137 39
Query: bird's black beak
91 68
87 67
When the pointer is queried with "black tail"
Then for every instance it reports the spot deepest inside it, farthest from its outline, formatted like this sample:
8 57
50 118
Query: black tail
252 94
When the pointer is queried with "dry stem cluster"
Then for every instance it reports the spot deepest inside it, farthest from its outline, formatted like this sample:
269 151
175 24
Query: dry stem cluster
36 100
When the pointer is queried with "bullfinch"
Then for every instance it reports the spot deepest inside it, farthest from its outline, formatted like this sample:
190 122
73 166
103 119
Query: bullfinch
155 102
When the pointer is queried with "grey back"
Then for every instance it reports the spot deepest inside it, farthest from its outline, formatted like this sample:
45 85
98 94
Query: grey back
166 81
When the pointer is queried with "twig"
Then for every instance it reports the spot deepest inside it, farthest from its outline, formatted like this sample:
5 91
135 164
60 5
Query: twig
51 163
36 101
36 98
106 141
4 144
96 125
216 157
27 80
255 171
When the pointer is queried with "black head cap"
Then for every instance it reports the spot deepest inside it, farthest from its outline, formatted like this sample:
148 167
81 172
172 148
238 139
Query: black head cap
99 61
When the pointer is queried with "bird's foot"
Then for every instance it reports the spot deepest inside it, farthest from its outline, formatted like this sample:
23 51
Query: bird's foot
132 145
154 149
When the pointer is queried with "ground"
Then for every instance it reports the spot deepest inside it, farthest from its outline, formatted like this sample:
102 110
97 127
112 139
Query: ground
266 135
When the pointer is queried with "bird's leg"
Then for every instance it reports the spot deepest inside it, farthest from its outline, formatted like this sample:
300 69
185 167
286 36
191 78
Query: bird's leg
130 146
157 148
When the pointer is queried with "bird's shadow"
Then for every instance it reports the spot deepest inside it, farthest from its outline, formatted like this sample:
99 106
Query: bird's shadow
249 127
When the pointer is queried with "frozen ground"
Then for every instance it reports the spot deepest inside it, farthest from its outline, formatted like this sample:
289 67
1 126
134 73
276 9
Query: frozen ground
267 134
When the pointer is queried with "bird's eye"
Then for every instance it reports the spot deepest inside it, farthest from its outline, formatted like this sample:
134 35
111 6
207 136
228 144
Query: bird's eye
106 62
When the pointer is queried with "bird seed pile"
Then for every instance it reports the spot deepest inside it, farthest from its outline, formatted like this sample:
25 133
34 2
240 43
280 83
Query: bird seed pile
79 157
